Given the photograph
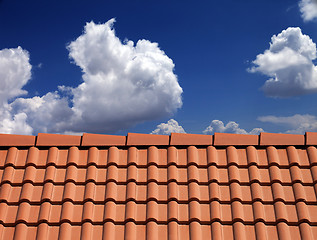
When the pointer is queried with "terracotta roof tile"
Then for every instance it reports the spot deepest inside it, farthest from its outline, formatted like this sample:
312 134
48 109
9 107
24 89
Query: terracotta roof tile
137 139
228 139
311 138
89 139
153 190
16 140
270 139
46 139
190 139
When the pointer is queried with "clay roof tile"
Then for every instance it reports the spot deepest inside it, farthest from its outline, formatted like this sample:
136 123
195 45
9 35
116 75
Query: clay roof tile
45 139
160 187
89 139
137 139
190 139
16 140
278 139
228 139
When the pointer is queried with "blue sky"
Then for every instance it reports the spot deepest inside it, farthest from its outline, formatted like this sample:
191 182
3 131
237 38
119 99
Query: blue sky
202 64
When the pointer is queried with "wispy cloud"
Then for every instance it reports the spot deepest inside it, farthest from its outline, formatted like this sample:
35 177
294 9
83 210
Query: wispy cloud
297 124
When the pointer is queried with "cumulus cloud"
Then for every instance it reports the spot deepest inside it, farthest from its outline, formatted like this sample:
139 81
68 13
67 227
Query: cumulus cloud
308 9
289 64
15 72
14 123
230 127
124 83
297 123
49 113
171 126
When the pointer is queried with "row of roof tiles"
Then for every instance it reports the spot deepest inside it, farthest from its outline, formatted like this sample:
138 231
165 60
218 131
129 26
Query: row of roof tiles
161 157
155 231
79 193
56 189
175 139
161 213
152 173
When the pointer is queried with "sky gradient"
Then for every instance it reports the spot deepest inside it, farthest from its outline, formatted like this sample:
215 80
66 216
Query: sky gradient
169 66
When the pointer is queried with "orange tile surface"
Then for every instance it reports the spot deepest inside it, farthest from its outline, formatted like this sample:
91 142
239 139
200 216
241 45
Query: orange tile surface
225 139
267 139
311 138
46 139
16 140
190 139
138 139
158 191
89 139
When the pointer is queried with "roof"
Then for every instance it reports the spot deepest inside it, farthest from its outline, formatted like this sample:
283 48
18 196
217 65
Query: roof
142 186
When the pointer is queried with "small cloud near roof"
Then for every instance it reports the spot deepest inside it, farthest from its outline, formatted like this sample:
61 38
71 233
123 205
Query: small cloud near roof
298 124
230 127
171 126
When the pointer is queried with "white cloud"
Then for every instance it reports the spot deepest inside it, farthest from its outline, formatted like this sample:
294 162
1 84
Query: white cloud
11 124
308 9
230 127
49 113
298 124
123 84
171 126
289 64
15 72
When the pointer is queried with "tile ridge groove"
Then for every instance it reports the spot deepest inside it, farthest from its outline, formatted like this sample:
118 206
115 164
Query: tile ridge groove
234 181
26 182
204 223
39 203
144 183
234 164
30 164
305 220
182 166
70 181
87 220
67 199
61 221
68 164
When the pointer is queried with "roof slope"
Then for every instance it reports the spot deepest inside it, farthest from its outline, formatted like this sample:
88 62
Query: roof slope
182 186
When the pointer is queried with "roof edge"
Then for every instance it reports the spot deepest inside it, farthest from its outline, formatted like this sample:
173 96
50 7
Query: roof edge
137 139
90 139
175 139
48 139
230 139
280 139
185 139
8 140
